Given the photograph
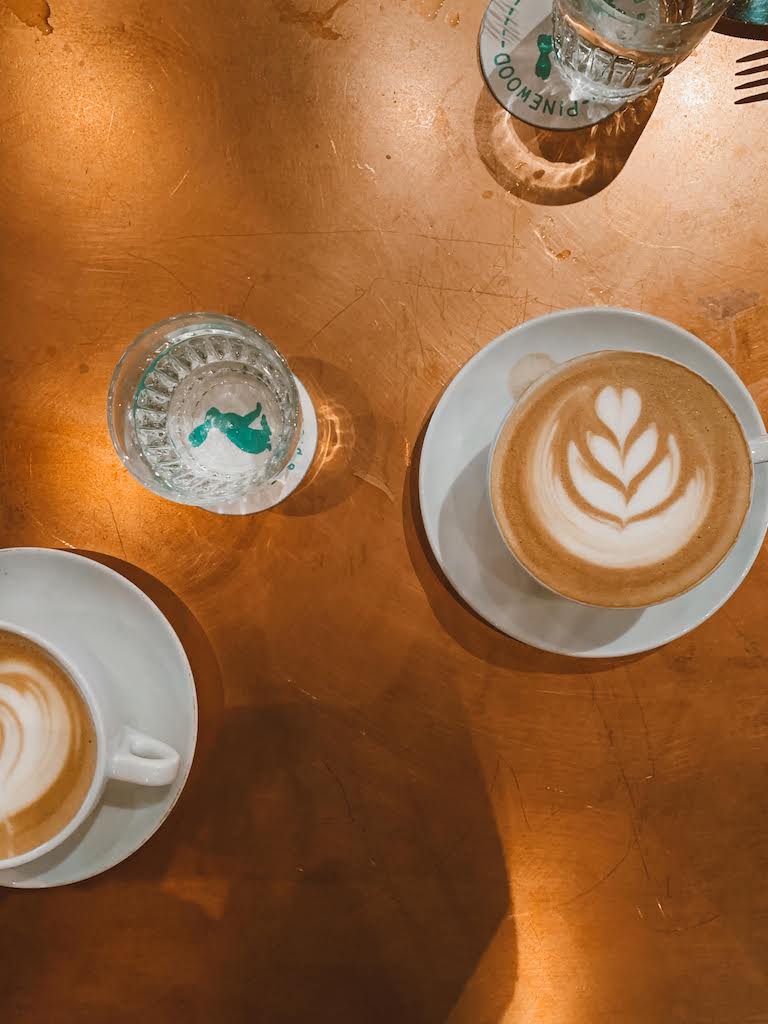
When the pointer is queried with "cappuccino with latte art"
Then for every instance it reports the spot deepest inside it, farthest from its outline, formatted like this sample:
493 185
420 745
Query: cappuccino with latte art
621 479
47 746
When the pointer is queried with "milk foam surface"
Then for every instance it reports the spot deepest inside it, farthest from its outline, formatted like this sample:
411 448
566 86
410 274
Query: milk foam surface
601 504
621 479
36 730
47 746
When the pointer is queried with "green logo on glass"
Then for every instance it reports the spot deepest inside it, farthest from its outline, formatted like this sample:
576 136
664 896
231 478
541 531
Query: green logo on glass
253 440
544 64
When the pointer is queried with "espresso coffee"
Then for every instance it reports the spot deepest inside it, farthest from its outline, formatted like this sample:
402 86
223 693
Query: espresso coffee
47 746
621 479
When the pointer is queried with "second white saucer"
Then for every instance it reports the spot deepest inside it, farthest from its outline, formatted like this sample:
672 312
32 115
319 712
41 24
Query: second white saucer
152 680
456 509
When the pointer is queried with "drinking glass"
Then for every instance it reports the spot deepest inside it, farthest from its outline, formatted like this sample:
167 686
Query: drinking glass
203 409
620 49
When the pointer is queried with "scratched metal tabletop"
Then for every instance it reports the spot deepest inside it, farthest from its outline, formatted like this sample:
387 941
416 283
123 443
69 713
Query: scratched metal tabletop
396 813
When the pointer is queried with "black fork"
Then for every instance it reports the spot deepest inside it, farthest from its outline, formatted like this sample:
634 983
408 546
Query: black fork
760 83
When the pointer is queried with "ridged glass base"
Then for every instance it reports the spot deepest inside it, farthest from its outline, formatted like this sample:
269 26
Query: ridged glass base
600 71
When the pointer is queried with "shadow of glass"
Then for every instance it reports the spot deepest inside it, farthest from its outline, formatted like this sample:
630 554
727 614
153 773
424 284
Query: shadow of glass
556 168
346 438
456 617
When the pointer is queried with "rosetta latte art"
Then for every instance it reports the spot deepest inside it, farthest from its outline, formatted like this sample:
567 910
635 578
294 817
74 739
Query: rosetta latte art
621 498
621 479
36 734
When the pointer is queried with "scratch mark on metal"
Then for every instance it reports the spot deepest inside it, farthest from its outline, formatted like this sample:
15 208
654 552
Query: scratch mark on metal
495 775
603 878
181 37
734 340
111 122
180 182
314 22
625 782
339 231
117 528
374 481
338 314
247 297
49 531
519 794
176 278
341 786
646 734
676 929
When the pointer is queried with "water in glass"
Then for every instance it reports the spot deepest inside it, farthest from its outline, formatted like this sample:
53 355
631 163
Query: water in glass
208 409
622 48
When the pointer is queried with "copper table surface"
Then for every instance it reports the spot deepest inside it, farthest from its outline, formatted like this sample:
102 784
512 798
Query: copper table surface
396 813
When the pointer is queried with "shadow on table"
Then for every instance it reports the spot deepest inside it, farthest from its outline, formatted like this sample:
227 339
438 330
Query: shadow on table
335 858
746 19
346 438
556 168
374 879
456 617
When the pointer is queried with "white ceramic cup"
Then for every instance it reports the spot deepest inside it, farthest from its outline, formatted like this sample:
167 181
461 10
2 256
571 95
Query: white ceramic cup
122 752
758 448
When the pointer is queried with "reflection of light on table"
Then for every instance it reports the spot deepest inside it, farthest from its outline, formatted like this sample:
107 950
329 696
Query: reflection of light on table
533 968
520 146
556 167
697 89
335 433
98 134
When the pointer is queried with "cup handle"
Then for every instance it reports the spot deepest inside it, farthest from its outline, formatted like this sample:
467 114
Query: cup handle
143 760
758 446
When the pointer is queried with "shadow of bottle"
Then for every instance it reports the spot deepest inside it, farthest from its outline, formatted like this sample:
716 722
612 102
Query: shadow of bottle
556 168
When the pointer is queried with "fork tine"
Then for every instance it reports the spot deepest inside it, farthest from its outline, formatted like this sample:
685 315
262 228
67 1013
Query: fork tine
752 99
752 56
752 85
752 71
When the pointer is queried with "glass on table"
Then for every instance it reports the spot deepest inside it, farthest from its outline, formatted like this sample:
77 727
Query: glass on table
203 409
623 48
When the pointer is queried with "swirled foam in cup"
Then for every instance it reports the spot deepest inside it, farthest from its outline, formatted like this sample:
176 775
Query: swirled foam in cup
47 746
621 479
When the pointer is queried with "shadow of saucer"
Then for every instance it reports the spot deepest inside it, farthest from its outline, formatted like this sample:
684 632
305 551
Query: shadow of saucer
346 438
556 168
152 859
466 520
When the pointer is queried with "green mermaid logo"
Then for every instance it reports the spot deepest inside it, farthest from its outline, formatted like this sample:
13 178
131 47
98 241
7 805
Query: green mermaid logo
544 64
253 440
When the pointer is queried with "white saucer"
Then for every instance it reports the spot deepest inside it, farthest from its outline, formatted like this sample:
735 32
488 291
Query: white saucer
149 670
279 489
455 504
